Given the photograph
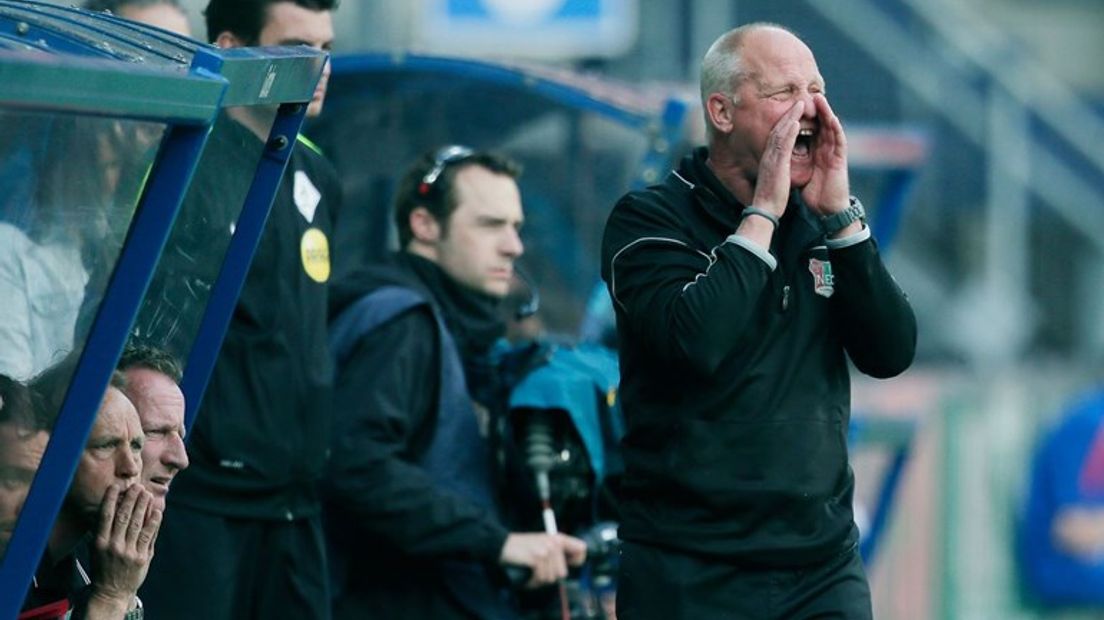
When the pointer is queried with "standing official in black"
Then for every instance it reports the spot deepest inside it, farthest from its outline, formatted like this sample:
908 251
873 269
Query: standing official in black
244 536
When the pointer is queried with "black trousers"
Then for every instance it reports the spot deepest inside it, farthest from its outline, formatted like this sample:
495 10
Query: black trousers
661 584
214 567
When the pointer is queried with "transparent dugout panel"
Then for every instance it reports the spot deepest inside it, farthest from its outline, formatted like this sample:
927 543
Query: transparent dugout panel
70 185
171 313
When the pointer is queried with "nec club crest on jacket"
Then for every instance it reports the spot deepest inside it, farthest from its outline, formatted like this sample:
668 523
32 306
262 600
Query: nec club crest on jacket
823 281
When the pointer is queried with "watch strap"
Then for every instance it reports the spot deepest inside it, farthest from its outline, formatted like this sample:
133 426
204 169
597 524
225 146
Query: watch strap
832 224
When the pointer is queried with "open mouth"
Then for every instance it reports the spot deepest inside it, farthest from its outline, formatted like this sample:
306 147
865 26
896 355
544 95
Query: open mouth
806 137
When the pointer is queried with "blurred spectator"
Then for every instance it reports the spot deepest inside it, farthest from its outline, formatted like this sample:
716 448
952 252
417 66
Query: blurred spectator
42 285
412 484
24 432
165 14
103 501
243 537
152 378
45 266
1062 532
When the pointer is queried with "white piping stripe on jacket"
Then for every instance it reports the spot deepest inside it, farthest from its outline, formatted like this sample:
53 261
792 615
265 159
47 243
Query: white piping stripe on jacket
613 264
682 178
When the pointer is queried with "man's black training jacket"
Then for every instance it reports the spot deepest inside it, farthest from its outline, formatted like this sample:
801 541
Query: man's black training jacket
734 379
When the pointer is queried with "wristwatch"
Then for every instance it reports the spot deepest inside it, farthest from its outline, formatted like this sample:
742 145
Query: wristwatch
836 222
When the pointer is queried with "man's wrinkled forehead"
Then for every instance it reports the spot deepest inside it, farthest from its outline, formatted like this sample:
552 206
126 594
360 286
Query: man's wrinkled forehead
158 399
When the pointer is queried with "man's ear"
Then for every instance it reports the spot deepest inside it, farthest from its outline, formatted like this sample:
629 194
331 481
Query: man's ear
227 39
423 226
719 108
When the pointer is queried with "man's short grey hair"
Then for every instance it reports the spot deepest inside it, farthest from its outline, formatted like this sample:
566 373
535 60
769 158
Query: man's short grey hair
722 68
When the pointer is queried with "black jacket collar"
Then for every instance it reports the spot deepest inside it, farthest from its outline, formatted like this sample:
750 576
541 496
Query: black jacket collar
473 318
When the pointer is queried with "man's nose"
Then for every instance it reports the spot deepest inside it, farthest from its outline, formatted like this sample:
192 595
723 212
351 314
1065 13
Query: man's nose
512 245
176 456
128 465
810 105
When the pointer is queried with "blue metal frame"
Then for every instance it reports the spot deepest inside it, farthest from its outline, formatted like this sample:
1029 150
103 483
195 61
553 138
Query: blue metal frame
243 244
157 210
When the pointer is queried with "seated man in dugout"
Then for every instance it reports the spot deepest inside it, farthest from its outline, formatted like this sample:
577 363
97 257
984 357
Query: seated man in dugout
106 510
152 385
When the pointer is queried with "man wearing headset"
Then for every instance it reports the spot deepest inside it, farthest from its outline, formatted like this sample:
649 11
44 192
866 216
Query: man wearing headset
411 480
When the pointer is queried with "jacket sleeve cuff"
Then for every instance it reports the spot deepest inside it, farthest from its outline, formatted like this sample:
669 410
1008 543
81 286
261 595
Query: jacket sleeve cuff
754 248
849 240
491 551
